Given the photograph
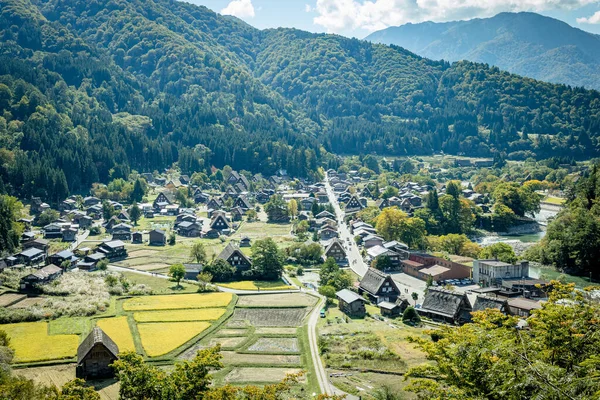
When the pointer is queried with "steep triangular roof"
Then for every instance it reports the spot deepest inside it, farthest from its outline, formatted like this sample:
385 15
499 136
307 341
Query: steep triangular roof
374 279
96 336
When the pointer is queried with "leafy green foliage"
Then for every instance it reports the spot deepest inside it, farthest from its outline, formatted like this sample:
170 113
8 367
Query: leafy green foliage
10 229
177 272
267 260
499 251
221 270
331 275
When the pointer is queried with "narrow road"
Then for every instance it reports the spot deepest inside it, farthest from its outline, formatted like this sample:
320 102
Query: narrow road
314 348
355 260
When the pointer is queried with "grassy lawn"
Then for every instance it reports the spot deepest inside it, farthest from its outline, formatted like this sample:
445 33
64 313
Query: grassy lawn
148 224
549 273
554 200
257 285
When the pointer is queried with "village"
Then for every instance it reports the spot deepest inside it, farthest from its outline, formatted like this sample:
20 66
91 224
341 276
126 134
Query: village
312 223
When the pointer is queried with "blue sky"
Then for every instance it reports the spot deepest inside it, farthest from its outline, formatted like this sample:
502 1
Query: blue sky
358 18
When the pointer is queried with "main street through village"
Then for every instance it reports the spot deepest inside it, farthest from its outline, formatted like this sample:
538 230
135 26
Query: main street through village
406 283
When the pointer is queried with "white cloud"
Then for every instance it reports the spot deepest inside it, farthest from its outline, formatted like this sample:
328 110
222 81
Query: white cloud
307 8
239 8
371 15
594 19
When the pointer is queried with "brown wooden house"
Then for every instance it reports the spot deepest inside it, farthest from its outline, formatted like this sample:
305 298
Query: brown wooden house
95 355
445 305
351 303
379 286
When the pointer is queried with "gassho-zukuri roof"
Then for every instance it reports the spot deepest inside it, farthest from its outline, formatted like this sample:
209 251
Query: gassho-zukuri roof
485 302
443 302
97 335
373 280
229 250
348 296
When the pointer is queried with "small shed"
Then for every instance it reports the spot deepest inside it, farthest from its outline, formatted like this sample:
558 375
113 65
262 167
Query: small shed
393 310
157 237
95 355
137 237
245 242
351 303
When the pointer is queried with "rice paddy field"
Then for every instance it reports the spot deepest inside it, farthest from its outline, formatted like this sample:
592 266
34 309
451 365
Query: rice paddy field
31 342
154 326
174 302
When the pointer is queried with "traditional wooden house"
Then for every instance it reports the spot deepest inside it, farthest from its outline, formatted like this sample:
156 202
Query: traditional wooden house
137 237
95 355
39 277
245 242
372 241
91 201
237 214
62 256
335 250
243 203
234 256
378 286
27 236
215 203
380 251
485 302
351 303
189 229
393 310
162 200
52 231
328 233
445 305
30 256
40 244
219 221
113 250
121 232
157 237
90 261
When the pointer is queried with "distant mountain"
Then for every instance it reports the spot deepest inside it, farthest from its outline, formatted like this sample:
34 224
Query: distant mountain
527 44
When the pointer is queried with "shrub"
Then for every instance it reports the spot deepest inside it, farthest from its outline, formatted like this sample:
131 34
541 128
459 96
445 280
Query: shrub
410 314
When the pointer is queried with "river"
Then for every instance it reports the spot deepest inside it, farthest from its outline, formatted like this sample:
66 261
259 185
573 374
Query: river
542 217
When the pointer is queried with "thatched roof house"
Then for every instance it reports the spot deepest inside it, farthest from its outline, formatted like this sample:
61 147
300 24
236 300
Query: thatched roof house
379 286
95 355
447 306
484 302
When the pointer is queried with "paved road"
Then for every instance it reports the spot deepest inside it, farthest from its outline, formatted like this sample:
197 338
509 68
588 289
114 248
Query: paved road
355 260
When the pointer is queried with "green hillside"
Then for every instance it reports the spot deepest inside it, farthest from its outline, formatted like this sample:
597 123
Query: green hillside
92 90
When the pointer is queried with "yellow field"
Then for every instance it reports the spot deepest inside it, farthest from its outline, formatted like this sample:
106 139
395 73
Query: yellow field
198 314
177 301
31 342
160 338
118 330
255 285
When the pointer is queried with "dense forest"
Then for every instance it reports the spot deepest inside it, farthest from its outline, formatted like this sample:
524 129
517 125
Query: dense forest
91 90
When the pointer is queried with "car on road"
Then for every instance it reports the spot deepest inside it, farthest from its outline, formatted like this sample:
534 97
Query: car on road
322 313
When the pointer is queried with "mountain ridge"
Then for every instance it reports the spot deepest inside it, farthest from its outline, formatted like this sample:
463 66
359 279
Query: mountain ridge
510 41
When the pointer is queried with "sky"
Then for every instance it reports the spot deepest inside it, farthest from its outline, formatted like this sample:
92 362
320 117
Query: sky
358 18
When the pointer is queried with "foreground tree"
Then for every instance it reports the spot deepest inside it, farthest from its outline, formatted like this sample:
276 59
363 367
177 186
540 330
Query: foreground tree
331 275
10 229
556 358
394 224
499 251
135 213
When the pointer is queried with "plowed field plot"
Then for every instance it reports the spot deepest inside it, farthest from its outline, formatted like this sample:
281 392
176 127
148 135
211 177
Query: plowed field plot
277 300
10 298
259 375
30 302
236 324
233 358
275 345
276 331
232 332
271 316
141 253
231 342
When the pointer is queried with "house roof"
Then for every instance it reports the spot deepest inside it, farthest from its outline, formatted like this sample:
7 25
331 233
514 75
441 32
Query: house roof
377 251
159 231
31 252
387 305
96 336
64 254
332 243
525 304
485 302
348 296
229 250
373 280
434 270
443 302
113 244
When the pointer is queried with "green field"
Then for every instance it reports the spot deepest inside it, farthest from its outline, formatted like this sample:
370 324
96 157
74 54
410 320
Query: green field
257 285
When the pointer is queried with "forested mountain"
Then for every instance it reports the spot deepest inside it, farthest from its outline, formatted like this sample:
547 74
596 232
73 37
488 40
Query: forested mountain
90 90
527 44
